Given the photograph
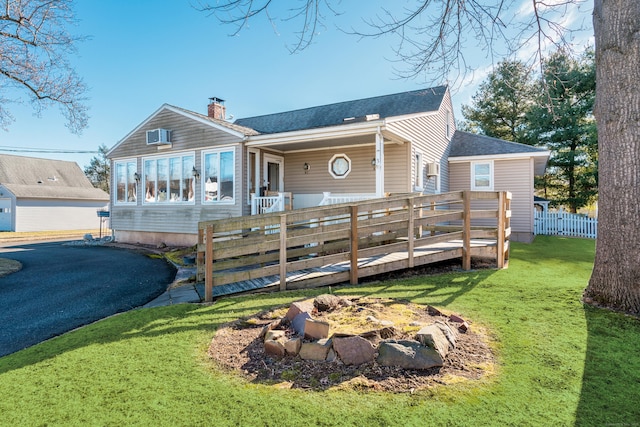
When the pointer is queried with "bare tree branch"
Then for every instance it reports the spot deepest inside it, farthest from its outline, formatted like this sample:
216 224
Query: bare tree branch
432 36
34 45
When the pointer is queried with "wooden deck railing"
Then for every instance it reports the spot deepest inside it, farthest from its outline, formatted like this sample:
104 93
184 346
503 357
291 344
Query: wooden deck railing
352 235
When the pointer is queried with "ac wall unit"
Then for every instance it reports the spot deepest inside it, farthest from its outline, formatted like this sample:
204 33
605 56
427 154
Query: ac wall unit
158 137
433 169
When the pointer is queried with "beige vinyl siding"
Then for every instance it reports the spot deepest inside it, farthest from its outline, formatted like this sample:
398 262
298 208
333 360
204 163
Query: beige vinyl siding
396 176
45 215
514 175
361 179
428 136
186 134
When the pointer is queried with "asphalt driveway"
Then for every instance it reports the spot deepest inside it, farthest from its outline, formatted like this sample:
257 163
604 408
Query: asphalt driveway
62 287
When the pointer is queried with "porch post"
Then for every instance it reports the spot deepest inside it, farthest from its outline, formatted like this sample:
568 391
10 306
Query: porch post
379 164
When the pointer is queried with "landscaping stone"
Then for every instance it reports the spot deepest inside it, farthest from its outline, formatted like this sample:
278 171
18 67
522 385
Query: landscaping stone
316 329
434 311
354 350
408 354
299 321
463 324
292 346
432 336
327 302
315 350
449 332
299 307
274 348
457 319
273 325
274 335
331 355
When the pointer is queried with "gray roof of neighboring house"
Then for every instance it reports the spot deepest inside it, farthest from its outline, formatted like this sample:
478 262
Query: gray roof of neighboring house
418 101
465 144
31 177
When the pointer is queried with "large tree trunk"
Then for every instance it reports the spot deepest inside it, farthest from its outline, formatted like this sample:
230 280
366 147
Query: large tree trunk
615 281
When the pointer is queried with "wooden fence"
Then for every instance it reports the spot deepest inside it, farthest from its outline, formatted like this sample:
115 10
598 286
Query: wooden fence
353 238
565 224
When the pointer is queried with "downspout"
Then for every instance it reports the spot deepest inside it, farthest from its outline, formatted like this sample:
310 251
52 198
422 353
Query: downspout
379 165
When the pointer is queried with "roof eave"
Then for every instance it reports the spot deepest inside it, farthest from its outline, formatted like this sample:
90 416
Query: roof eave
315 134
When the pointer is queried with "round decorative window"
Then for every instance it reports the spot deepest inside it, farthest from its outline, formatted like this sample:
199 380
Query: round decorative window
339 166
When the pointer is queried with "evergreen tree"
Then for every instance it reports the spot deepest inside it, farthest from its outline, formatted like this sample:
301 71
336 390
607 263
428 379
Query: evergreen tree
500 105
562 120
99 170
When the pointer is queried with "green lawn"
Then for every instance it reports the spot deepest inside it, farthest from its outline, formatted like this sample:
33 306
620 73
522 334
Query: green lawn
559 363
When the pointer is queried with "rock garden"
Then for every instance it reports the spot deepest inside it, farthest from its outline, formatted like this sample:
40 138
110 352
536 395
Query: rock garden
354 342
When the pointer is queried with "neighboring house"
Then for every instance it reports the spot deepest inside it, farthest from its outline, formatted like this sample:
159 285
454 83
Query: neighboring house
180 167
42 194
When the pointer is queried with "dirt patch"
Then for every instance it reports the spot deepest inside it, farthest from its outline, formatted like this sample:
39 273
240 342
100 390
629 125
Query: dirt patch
8 266
237 347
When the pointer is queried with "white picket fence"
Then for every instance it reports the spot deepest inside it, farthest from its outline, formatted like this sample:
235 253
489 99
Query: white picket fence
565 224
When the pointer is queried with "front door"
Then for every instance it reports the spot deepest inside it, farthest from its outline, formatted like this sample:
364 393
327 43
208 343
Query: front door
273 172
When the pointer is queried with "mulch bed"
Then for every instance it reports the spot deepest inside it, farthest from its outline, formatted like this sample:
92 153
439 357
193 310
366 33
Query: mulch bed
237 347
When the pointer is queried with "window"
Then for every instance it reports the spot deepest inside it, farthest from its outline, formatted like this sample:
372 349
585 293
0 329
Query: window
219 176
448 125
169 179
482 175
418 179
339 166
126 185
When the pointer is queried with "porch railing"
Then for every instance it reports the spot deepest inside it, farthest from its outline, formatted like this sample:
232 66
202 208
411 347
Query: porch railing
353 235
334 199
271 202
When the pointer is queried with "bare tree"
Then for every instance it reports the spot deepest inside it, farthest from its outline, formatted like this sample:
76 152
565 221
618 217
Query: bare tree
431 36
34 46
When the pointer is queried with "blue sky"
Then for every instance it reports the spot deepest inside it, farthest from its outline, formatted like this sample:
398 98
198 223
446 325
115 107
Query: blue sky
144 53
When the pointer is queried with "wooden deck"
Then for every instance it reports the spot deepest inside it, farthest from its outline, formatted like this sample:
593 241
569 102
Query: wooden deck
342 243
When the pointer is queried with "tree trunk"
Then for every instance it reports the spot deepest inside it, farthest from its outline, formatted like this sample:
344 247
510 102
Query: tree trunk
615 281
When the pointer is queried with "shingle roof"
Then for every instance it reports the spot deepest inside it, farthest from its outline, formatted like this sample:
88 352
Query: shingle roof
232 126
418 101
465 144
45 178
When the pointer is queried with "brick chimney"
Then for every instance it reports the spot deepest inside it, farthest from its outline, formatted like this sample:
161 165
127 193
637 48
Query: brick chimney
216 109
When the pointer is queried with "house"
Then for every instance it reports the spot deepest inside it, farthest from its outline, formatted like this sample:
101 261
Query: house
180 167
42 194
482 163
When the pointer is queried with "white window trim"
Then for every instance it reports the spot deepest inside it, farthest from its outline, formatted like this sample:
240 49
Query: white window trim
115 182
473 176
419 171
203 179
142 183
330 166
448 125
437 185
